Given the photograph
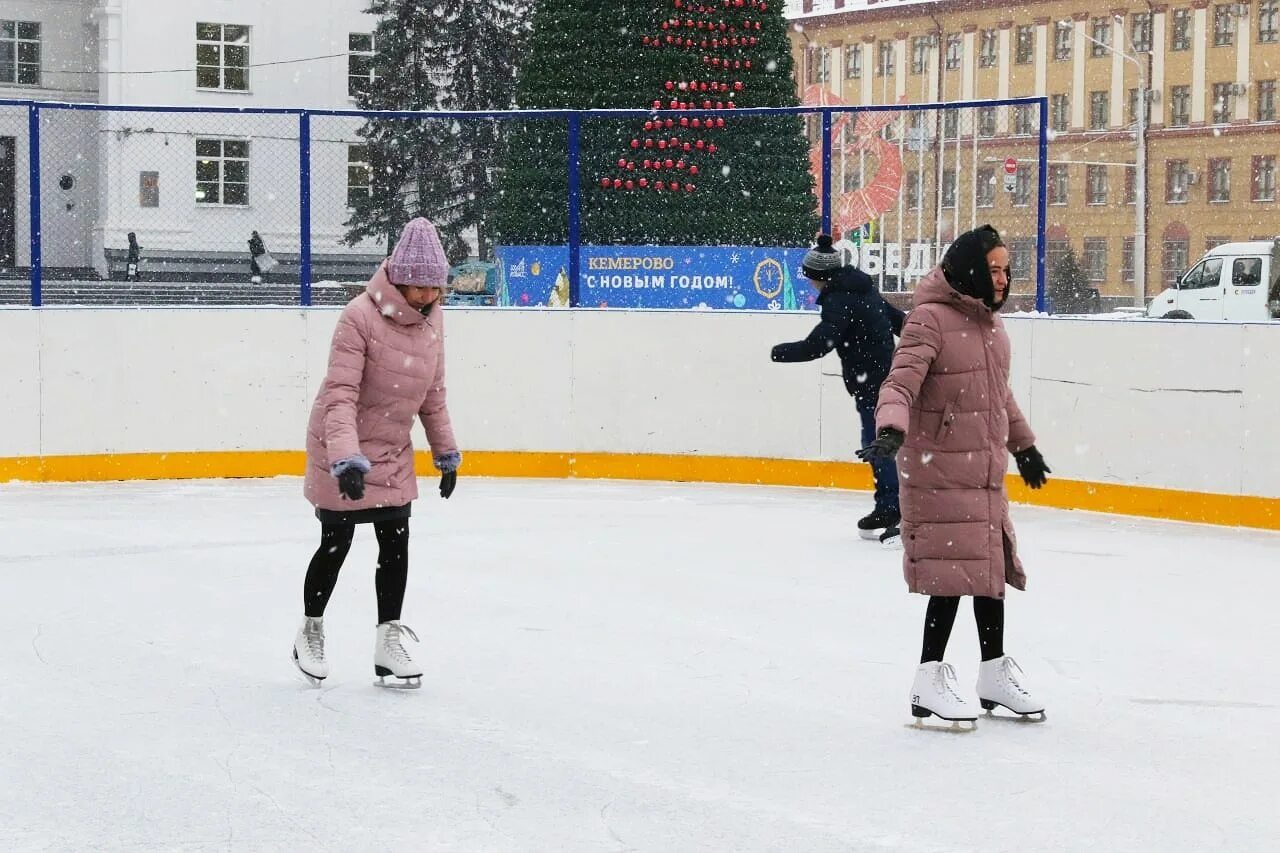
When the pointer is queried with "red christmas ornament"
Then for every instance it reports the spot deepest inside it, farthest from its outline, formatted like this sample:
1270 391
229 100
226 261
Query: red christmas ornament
674 104
667 164
731 105
757 25
617 183
706 105
688 42
662 143
648 143
719 122
647 163
685 146
664 25
630 185
644 182
679 3
737 64
693 170
746 63
604 182
631 165
684 121
688 188
648 125
657 105
699 144
683 105
723 26
622 164
644 40
697 122
680 164
635 143
669 85
659 185
668 123
705 59
711 148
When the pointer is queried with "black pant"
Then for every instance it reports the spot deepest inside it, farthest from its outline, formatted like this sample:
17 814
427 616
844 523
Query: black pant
389 580
940 616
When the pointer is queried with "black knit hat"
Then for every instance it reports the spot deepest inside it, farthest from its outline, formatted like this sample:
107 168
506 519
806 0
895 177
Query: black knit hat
822 261
966 268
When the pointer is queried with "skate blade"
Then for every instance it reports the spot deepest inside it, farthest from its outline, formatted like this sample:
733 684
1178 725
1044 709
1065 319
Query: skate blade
313 680
870 535
1029 717
955 727
413 682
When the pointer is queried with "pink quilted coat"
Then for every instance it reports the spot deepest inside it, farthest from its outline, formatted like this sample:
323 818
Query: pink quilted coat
948 391
386 366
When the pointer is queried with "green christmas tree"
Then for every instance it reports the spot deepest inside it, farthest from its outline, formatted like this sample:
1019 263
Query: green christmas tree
701 175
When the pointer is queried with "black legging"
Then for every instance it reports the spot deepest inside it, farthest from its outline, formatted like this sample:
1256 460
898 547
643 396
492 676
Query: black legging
389 580
941 615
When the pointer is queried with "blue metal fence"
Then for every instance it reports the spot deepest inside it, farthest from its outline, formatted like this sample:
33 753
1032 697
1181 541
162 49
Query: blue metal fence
930 168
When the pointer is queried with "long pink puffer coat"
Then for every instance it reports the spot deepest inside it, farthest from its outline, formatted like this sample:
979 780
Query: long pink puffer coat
948 392
386 366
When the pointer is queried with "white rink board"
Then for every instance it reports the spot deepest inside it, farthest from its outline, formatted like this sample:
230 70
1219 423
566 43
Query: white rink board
1115 402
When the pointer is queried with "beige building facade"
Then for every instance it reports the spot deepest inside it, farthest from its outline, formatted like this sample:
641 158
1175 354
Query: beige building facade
1212 139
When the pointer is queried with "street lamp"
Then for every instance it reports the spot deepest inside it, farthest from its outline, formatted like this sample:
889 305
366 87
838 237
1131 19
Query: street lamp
1140 180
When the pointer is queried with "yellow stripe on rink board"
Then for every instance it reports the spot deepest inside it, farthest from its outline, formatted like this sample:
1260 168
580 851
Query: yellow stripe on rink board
1231 510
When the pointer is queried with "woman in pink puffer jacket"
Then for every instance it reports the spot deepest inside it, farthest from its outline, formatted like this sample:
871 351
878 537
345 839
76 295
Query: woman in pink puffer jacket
947 405
386 367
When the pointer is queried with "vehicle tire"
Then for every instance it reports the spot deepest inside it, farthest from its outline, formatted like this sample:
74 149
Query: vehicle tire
1177 314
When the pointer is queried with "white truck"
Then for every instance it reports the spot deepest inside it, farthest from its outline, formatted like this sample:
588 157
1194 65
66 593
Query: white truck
1239 282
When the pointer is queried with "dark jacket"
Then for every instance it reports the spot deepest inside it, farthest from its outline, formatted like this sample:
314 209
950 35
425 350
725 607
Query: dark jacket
858 324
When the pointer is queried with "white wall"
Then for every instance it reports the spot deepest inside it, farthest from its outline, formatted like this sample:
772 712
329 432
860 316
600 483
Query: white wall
1185 406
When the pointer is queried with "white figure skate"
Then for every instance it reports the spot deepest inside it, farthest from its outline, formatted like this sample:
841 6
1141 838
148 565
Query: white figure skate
390 658
308 651
935 693
1000 683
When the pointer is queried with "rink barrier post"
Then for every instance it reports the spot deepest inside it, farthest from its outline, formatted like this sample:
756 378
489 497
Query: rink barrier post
575 213
1042 204
825 192
304 207
33 167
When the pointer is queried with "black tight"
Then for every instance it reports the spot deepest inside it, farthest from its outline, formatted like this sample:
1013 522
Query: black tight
941 615
389 581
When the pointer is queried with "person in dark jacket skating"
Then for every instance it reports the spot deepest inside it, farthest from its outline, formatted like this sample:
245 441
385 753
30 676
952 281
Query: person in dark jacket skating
860 326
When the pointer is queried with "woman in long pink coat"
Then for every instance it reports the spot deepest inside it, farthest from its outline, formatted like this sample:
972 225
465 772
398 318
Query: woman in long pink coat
947 411
386 368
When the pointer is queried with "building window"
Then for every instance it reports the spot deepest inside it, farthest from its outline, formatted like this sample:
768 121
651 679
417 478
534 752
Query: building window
1264 178
1059 113
852 176
1134 95
1224 25
1219 179
1055 251
1024 120
1100 29
1211 243
951 123
920 54
1094 259
1130 186
1062 41
359 63
1173 260
1140 32
1026 45
886 62
20 52
989 48
1224 102
1022 260
1179 106
1057 183
222 171
913 190
1099 110
1022 188
359 176
1269 21
1177 177
954 49
821 64
986 187
948 187
222 57
986 122
1127 248
1096 179
1266 100
853 62
1180 31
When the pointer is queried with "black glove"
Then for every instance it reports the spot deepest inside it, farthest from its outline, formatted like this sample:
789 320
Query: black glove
886 445
448 481
351 484
1031 466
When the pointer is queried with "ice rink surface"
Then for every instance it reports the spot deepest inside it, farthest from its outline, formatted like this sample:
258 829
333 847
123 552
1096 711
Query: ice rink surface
616 667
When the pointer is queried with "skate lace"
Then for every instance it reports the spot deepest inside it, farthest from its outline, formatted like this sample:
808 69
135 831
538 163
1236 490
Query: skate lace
392 643
313 635
946 680
1010 670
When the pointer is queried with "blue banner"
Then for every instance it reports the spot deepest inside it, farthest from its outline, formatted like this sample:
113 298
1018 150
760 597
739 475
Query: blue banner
691 277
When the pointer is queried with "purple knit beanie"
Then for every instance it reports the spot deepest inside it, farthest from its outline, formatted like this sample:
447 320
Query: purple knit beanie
418 257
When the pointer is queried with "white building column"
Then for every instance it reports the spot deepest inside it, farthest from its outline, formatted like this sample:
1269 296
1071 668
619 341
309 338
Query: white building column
1119 44
900 82
1199 42
836 64
1042 56
1244 36
967 62
868 70
1002 60
1078 95
1159 19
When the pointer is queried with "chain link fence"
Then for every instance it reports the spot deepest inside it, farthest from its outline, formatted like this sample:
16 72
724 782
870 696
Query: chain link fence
685 209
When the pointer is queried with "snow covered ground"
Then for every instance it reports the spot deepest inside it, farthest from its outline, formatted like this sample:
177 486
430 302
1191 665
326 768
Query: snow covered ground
611 667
